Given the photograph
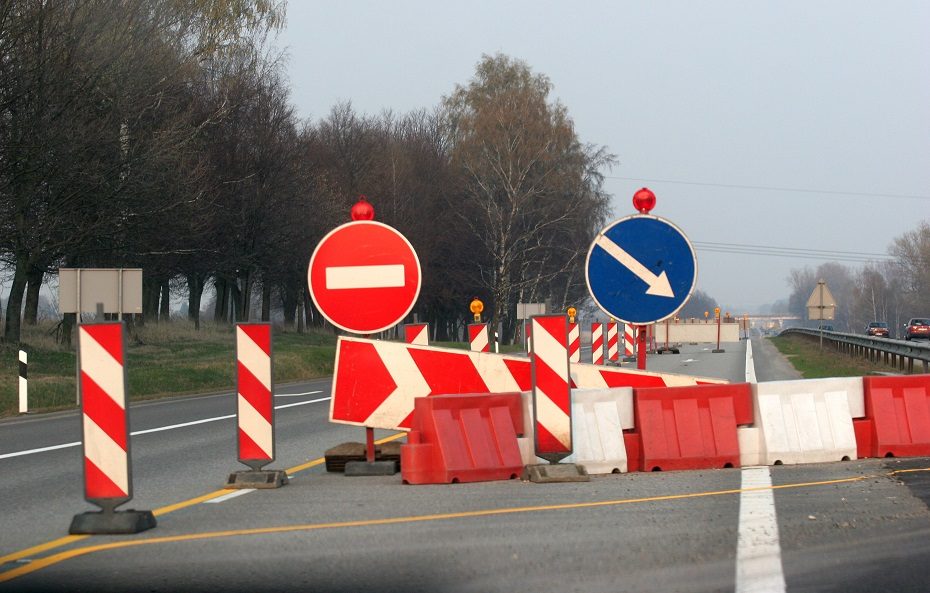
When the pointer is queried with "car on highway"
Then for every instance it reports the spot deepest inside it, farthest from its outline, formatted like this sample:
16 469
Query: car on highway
878 329
918 328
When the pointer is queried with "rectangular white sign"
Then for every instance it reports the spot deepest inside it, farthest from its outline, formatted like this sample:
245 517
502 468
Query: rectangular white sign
345 277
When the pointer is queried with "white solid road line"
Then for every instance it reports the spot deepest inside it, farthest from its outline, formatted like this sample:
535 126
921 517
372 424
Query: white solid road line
159 429
758 551
226 497
296 394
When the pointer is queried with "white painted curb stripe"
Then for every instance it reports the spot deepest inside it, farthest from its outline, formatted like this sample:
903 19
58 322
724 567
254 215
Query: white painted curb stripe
758 551
347 277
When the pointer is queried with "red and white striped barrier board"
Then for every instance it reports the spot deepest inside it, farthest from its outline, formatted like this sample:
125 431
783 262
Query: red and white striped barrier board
613 349
552 399
629 340
255 408
574 342
375 382
416 333
107 475
478 337
597 343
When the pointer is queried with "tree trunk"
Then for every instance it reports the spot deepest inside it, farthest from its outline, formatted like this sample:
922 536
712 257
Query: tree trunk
150 292
165 309
195 285
67 326
222 298
245 296
289 303
34 284
266 301
14 305
301 318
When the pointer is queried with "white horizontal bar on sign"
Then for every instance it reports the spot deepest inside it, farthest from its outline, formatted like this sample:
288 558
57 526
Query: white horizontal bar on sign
345 277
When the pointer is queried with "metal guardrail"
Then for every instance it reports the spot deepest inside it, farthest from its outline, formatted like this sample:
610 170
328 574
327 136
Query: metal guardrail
896 353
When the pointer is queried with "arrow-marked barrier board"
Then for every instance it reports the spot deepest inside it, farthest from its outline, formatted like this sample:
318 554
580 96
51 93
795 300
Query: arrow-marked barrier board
375 382
641 269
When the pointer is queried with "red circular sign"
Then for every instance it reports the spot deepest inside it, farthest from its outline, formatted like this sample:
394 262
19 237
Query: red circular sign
364 277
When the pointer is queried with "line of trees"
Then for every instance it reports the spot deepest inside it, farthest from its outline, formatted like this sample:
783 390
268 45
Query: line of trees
160 134
892 291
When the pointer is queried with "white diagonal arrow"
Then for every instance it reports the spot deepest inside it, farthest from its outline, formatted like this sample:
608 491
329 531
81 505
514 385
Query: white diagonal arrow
658 285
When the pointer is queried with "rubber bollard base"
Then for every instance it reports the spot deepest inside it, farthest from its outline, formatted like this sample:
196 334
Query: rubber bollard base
374 468
718 350
263 478
111 523
550 473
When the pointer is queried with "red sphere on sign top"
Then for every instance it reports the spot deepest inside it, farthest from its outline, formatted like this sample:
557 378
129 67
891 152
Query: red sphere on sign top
362 210
644 200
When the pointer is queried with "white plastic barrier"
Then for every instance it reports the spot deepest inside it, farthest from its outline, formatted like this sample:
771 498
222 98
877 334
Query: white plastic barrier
805 421
598 419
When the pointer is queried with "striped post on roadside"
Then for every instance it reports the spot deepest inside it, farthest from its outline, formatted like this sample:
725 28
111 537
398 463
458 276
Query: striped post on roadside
552 402
613 350
416 333
478 340
629 343
23 383
255 408
551 387
105 419
597 343
574 342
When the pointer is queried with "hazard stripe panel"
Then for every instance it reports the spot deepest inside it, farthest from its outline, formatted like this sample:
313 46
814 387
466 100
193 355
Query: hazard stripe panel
551 387
255 397
105 422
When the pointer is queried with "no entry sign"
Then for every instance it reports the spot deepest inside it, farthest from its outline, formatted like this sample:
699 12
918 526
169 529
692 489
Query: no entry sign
364 277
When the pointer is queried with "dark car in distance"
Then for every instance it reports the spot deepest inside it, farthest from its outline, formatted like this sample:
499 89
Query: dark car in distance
878 329
917 328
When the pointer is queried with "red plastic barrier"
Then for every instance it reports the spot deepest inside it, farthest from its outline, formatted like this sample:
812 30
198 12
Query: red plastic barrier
898 409
691 427
463 438
634 451
865 437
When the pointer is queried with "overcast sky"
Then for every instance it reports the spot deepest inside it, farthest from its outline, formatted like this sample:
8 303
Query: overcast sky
819 111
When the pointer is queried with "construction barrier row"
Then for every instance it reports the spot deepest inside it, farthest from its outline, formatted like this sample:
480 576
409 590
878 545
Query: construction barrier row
618 430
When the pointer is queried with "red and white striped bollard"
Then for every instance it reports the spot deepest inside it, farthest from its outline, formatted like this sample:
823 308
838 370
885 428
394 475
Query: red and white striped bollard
105 420
597 343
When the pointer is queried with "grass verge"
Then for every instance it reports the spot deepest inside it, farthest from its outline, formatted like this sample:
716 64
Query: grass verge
813 363
161 360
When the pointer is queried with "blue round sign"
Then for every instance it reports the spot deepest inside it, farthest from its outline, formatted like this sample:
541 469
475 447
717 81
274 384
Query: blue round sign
641 269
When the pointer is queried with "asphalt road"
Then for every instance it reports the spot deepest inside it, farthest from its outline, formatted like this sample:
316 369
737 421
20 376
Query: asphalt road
850 526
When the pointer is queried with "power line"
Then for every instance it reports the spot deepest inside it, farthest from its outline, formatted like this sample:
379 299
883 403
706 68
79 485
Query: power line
776 188
795 249
793 252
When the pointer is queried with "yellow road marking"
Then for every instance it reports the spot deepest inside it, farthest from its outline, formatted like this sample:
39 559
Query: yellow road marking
62 556
57 543
70 539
